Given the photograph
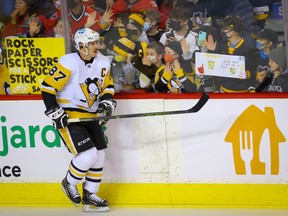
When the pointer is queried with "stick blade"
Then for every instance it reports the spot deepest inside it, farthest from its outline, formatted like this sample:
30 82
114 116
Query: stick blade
265 83
201 102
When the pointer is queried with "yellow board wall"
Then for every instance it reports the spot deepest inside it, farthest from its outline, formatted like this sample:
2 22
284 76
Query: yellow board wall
173 195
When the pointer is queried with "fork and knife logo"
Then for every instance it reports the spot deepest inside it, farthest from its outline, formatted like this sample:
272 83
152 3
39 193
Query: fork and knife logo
252 155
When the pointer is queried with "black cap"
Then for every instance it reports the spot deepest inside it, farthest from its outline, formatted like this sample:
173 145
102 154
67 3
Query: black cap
176 47
232 22
268 34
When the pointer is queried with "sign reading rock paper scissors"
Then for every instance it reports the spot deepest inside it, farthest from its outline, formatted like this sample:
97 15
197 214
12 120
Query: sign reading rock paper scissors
211 64
29 61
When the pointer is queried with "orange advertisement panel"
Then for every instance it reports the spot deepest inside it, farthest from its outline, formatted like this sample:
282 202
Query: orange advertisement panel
29 61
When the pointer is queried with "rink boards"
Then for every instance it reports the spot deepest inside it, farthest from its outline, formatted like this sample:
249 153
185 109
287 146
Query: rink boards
233 152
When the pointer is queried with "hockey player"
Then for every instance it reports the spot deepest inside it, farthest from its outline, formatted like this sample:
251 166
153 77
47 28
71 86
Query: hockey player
80 85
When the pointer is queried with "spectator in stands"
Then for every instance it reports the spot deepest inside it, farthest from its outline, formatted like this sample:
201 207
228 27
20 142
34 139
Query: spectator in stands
278 66
25 20
167 6
134 28
266 41
179 18
155 62
234 44
206 83
177 76
59 28
147 64
58 32
151 25
122 71
121 20
117 30
82 16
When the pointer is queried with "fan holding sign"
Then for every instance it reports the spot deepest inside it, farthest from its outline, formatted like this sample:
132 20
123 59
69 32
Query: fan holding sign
236 68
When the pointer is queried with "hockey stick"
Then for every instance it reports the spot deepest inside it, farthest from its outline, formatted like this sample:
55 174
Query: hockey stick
265 83
201 102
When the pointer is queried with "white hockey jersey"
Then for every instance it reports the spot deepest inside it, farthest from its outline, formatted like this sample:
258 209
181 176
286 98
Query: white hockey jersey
78 86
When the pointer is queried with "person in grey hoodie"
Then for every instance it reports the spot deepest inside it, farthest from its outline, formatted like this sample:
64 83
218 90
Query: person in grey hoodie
278 67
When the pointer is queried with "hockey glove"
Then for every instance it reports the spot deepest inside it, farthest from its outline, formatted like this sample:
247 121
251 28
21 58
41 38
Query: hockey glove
106 107
58 116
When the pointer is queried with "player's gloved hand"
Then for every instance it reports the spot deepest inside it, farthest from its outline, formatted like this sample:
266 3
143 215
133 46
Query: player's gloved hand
106 107
58 116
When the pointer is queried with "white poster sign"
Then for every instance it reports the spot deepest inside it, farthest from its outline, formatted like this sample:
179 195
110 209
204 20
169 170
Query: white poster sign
232 66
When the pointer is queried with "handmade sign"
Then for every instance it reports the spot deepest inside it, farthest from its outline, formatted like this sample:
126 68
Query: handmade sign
232 66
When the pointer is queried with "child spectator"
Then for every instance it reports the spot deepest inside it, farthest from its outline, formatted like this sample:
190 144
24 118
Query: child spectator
206 83
278 66
179 18
116 31
155 53
58 32
234 44
266 41
154 59
121 20
134 28
148 64
58 29
124 75
151 25
177 76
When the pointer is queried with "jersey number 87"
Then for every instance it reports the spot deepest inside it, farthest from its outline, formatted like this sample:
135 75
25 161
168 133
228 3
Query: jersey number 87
60 75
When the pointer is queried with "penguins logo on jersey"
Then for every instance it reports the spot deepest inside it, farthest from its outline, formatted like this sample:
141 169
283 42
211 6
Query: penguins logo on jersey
263 68
91 89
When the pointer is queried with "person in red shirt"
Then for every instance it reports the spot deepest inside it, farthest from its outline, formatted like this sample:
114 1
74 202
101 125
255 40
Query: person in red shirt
82 16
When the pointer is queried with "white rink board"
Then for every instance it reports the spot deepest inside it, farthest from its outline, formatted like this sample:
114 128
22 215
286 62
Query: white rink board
177 148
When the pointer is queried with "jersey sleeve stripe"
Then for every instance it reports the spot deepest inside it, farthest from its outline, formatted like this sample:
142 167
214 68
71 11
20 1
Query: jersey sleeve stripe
48 89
